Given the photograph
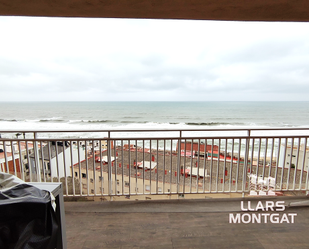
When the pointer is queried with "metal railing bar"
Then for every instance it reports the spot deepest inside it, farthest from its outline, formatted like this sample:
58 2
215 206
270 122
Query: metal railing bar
258 159
238 163
296 163
283 165
94 167
136 161
198 166
163 187
13 158
114 142
191 162
21 165
171 167
303 165
277 163
247 153
271 157
244 173
150 170
252 154
57 161
153 130
36 158
218 165
50 162
184 167
156 138
143 166
28 161
5 158
205 158
211 165
178 161
87 168
290 163
231 167
72 169
224 166
109 163
265 155
157 167
101 178
43 163
79 168
64 167
307 177
245 165
122 167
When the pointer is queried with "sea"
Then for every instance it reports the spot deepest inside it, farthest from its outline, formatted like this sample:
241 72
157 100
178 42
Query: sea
152 115
87 117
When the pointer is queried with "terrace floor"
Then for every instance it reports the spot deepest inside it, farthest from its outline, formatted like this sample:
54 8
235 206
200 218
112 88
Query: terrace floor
182 224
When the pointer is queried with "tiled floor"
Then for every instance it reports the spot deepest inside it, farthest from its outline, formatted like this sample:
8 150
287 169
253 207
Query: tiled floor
177 224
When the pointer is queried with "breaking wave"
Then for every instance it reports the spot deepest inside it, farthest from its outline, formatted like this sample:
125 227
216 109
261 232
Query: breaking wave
52 120
97 121
213 123
9 120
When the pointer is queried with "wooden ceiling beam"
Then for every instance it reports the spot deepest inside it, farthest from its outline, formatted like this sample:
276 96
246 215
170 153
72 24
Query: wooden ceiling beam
232 10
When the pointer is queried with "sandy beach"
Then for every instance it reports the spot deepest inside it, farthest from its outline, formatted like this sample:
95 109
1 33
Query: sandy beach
222 176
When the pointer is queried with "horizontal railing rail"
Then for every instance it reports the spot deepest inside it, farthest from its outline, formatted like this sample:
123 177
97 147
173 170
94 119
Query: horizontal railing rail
268 161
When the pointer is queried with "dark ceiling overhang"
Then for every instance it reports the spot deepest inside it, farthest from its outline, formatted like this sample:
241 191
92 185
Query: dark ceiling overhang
233 10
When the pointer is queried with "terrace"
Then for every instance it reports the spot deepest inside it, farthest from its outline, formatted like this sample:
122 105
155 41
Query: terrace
180 223
108 171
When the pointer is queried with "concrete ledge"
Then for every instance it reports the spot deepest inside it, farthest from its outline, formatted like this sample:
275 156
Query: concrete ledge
177 206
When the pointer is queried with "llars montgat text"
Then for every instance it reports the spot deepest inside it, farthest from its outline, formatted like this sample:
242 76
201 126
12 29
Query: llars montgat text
261 217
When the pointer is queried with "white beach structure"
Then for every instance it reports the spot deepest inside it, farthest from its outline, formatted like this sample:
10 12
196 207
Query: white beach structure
104 159
196 172
147 165
293 157
50 167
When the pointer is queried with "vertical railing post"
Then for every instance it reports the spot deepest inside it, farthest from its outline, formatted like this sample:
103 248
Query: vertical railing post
5 159
65 168
109 165
303 166
72 169
244 177
42 159
36 156
13 158
305 156
178 161
21 164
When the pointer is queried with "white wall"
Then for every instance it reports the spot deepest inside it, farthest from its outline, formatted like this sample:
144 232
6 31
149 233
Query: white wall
289 153
53 164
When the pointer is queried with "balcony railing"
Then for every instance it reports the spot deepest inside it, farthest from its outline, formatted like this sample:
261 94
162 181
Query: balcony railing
161 162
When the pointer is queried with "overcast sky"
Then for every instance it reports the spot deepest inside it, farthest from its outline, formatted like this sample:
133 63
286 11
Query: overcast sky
76 59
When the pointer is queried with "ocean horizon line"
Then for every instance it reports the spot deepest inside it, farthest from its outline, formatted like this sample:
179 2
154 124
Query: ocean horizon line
148 101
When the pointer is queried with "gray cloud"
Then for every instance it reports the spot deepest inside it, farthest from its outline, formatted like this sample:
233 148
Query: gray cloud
111 59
